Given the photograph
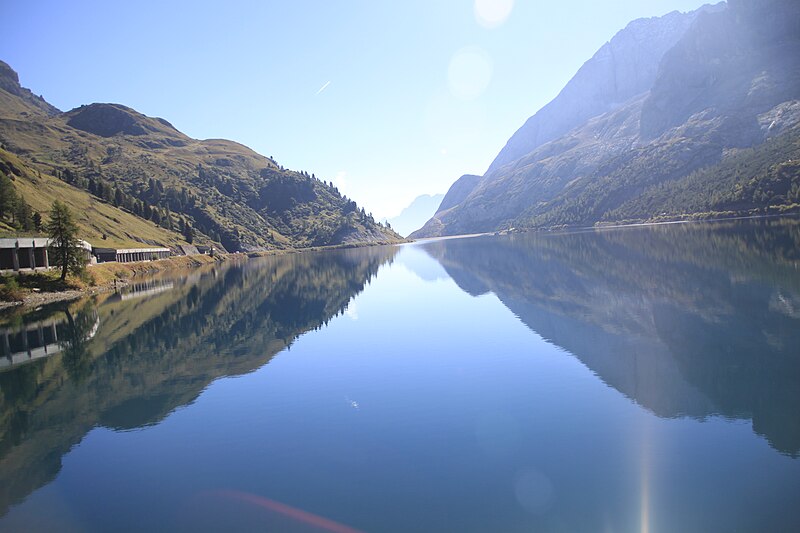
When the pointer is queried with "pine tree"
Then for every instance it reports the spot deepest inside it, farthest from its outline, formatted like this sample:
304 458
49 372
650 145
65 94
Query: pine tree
64 243
188 233
8 196
24 215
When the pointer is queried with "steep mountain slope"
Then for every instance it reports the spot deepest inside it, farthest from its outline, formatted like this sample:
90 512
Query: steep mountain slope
624 67
224 191
741 61
730 83
416 214
16 101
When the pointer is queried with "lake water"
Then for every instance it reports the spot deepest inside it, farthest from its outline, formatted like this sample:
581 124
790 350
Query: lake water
629 380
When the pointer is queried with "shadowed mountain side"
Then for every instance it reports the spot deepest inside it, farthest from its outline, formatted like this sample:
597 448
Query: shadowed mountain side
738 61
153 355
686 321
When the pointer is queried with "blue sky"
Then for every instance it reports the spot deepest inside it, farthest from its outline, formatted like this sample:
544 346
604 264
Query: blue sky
389 100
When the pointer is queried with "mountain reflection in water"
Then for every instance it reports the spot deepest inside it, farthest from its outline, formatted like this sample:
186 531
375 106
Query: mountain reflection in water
158 350
619 380
687 320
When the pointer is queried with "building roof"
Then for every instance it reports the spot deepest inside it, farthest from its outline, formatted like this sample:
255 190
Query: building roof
129 250
189 249
33 242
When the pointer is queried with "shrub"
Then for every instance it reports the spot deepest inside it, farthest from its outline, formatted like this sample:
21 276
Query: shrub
10 291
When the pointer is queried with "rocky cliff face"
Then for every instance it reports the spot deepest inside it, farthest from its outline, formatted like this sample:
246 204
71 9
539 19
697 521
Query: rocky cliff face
624 67
29 103
739 61
730 83
107 120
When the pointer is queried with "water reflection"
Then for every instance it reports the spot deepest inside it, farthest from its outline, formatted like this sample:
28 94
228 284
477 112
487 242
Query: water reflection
688 321
41 334
125 361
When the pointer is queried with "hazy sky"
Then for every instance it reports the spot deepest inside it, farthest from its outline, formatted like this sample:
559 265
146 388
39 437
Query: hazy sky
389 99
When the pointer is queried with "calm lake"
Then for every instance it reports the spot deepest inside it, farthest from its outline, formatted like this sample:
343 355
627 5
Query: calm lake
628 380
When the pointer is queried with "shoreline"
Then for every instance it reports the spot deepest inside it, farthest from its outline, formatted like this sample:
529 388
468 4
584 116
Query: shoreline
600 226
604 226
110 276
106 277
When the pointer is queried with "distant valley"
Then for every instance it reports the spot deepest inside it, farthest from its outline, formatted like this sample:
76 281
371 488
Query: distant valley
416 214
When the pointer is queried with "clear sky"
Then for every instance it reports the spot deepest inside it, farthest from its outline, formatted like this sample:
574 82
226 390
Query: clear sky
389 99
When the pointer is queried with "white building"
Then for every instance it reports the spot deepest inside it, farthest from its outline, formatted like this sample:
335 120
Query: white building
26 253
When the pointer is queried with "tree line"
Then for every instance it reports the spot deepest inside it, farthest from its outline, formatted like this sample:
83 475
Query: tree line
150 203
15 210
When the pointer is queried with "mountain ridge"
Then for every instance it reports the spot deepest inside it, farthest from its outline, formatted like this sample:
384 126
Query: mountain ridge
228 194
623 67
710 100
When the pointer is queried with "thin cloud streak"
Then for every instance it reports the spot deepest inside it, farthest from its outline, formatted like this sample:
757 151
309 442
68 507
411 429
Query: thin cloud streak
327 83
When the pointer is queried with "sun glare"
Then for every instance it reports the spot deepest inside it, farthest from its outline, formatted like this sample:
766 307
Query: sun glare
492 13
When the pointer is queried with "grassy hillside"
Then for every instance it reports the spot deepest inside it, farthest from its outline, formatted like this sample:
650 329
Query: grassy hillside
225 192
96 218
211 190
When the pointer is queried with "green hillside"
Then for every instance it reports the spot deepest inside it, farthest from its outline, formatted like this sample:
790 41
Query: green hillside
100 223
766 176
225 192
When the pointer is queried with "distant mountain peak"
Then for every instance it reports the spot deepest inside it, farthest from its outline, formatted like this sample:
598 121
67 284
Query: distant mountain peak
457 193
416 213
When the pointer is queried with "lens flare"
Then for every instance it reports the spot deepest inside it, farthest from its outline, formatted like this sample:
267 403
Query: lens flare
469 73
534 491
492 13
289 512
646 469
